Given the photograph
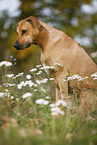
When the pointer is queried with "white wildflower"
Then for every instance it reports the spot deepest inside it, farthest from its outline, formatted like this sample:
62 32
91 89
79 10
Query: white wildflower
51 79
94 75
12 97
28 94
28 77
57 110
33 70
9 75
69 78
64 103
94 78
17 99
75 76
26 83
61 102
8 84
42 102
46 102
6 90
20 85
64 80
47 97
18 114
46 67
81 79
42 81
39 72
6 63
52 105
2 94
57 64
11 85
20 74
86 77
42 89
23 84
35 85
62 112
2 63
35 90
94 54
7 94
39 101
58 103
31 84
54 114
38 65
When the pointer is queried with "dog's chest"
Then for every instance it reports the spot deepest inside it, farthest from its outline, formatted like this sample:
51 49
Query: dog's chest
46 59
48 64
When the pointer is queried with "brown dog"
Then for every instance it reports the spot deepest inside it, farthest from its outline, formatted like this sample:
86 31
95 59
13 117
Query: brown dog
57 47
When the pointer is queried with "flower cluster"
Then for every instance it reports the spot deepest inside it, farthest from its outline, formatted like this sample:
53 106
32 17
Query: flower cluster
18 75
55 108
33 70
79 78
94 76
8 84
9 75
42 102
46 67
25 83
38 88
75 77
28 94
5 63
6 94
42 81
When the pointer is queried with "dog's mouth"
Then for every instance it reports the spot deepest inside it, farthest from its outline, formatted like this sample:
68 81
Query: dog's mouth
20 47
28 46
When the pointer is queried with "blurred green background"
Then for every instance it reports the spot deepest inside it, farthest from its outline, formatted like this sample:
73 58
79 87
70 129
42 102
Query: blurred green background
77 18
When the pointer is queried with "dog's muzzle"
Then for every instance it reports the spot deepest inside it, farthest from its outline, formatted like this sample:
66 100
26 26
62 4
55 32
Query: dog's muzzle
19 47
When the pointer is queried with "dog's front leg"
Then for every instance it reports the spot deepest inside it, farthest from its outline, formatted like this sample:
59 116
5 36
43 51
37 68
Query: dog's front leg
63 85
58 95
64 90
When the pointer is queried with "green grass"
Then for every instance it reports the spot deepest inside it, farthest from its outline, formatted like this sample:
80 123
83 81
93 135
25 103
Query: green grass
24 122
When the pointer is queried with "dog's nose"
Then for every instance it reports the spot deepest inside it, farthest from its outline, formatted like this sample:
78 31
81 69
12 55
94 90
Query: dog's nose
16 44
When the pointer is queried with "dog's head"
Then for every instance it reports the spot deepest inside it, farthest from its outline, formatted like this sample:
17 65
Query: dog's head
28 31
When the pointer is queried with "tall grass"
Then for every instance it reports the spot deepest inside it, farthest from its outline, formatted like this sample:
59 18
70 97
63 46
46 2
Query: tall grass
29 114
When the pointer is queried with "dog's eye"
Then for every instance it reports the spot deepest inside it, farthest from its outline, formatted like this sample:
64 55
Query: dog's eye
24 31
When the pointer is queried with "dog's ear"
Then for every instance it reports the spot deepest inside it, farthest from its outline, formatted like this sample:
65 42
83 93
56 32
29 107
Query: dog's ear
35 23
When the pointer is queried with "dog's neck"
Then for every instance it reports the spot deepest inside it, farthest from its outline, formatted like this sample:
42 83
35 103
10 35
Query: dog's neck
42 39
45 37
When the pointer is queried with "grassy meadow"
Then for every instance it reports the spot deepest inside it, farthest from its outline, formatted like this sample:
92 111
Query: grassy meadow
29 114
